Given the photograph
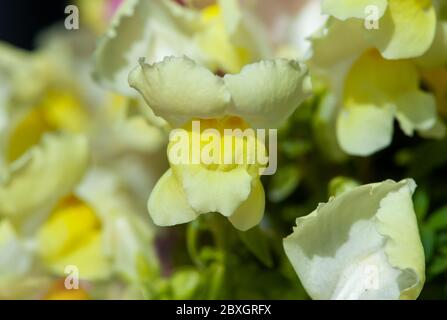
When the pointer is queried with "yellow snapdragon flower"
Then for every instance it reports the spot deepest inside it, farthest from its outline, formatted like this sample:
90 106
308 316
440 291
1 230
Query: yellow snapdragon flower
97 230
369 74
262 95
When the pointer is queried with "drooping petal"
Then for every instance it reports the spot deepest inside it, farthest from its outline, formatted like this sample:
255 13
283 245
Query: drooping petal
178 90
363 244
266 93
151 29
168 204
346 9
364 130
416 111
43 174
251 211
406 30
214 190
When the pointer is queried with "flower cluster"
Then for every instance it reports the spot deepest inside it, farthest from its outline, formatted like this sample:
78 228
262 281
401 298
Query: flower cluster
135 160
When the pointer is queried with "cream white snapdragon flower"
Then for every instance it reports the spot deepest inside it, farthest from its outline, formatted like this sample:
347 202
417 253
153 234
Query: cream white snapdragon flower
262 95
374 74
222 36
51 128
363 244
43 151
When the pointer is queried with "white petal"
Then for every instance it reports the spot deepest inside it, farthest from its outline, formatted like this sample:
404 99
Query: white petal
178 90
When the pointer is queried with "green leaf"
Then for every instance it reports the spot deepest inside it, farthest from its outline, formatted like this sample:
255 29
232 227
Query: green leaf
216 276
438 219
427 158
294 148
257 243
421 201
340 184
438 266
184 284
428 238
284 183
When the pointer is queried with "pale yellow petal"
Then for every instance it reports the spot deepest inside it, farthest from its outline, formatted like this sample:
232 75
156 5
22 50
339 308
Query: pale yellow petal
214 190
364 130
406 30
416 111
168 204
251 211
43 174
266 93
178 90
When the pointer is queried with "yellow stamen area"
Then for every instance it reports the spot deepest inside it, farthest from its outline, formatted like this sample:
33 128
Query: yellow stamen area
57 110
228 143
386 80
73 223
210 13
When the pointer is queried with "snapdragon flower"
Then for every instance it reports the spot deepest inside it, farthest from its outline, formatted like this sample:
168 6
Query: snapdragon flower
363 244
221 36
97 230
374 74
262 95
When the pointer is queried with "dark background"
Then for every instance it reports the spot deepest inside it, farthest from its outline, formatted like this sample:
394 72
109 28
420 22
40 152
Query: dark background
21 20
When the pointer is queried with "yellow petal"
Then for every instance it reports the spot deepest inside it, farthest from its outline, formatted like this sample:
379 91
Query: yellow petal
364 130
79 243
251 211
89 258
387 80
214 190
167 203
406 30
